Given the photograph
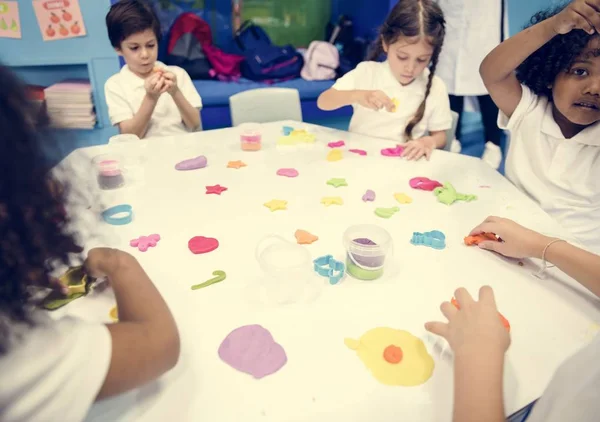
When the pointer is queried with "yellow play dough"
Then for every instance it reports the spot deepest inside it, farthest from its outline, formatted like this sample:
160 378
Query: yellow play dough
415 368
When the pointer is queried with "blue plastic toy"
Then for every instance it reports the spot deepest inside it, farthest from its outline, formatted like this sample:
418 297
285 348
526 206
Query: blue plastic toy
434 239
287 130
326 266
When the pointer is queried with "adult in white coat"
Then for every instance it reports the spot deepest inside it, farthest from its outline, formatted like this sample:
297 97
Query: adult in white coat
473 29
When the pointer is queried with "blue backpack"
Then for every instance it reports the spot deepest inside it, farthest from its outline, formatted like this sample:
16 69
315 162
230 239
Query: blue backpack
264 61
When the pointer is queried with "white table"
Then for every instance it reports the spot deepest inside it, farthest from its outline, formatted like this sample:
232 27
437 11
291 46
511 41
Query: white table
323 380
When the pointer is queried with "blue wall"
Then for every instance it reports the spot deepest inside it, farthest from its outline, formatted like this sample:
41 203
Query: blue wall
45 63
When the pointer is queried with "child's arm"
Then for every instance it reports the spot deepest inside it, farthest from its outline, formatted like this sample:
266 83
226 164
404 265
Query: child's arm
332 99
519 242
138 125
145 341
189 114
498 68
479 342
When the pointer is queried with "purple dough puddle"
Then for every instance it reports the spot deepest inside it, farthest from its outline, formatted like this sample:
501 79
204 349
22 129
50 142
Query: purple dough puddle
192 164
252 349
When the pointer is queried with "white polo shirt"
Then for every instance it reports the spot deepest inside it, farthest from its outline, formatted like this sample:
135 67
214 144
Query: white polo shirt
383 124
561 175
572 394
54 371
125 92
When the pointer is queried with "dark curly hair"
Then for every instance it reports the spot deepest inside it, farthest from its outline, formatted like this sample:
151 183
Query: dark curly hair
411 18
539 70
32 216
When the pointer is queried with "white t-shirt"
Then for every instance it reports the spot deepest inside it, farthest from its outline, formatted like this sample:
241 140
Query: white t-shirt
574 392
125 92
561 175
54 372
383 124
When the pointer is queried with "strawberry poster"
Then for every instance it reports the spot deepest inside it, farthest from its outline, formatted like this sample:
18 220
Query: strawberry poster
10 24
59 19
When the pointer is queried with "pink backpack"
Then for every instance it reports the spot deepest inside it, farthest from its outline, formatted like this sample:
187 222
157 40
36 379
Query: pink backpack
320 61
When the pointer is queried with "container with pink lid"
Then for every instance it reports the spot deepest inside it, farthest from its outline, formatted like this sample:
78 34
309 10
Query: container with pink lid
251 137
109 171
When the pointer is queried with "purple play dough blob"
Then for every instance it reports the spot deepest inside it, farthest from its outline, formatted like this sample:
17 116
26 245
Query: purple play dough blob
192 164
367 261
252 349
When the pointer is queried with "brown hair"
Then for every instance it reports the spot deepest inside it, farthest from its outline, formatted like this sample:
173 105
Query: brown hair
414 18
128 17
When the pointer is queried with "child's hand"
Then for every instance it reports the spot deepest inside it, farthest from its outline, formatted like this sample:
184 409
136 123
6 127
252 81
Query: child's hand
475 328
375 100
413 150
171 82
155 85
516 241
579 14
102 262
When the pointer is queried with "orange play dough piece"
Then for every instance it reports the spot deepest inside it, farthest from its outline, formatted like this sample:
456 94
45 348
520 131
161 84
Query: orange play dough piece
478 238
504 321
305 238
236 164
393 354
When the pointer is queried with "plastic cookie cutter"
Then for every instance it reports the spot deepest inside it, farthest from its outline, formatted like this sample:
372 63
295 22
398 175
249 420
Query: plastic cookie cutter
111 215
434 239
448 195
287 130
423 183
327 266
78 284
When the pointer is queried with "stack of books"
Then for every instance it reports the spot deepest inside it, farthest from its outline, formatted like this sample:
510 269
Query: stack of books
69 104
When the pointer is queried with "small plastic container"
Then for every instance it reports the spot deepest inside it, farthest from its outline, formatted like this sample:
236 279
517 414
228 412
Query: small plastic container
251 137
369 250
109 171
287 269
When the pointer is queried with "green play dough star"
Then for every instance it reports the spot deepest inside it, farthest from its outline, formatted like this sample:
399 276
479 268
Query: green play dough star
448 195
335 182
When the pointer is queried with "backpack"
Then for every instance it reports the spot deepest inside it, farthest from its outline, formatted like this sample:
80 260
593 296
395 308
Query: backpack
250 37
190 46
320 61
272 64
263 61
352 50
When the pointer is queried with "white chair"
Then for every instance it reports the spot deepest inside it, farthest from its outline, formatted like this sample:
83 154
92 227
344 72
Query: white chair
451 133
264 105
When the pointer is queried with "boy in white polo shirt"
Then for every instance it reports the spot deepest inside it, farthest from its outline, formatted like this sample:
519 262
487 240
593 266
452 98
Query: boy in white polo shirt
147 98
546 83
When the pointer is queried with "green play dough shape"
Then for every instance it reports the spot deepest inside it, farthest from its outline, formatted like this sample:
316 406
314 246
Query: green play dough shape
448 195
218 277
386 212
361 273
51 304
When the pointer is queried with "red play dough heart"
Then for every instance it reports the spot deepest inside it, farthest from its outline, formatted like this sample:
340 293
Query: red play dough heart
201 244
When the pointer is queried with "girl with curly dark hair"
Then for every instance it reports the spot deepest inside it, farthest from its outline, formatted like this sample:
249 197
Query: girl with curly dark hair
546 83
55 369
411 37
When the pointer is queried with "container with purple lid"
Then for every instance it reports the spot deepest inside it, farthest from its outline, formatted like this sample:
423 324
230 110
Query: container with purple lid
368 248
